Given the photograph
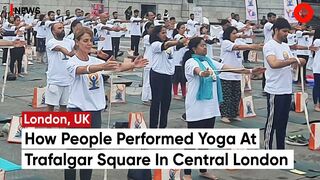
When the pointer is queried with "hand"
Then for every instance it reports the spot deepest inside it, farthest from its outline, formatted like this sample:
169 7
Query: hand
206 73
258 46
102 55
110 65
101 38
302 62
258 70
18 43
312 48
140 62
253 36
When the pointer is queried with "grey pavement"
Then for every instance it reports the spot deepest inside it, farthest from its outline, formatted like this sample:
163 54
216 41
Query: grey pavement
19 97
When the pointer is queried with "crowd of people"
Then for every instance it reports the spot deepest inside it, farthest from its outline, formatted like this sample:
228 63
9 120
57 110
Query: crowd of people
174 54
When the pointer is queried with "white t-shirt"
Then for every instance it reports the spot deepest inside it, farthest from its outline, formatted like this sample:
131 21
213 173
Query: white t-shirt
147 53
303 40
233 22
106 44
41 30
57 73
70 36
191 25
135 27
278 81
6 26
292 40
248 32
232 58
115 23
170 33
160 59
198 110
87 90
267 31
316 62
240 25
178 54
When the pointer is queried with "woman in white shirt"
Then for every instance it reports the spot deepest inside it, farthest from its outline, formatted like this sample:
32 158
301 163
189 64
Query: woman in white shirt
162 69
316 71
178 76
231 83
204 93
146 89
87 90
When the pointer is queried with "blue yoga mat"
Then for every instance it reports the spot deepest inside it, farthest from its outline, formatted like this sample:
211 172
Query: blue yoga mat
8 166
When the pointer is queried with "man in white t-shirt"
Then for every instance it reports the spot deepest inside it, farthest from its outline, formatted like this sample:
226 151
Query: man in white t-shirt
278 60
104 30
115 36
267 29
192 26
48 24
59 49
135 31
303 40
239 25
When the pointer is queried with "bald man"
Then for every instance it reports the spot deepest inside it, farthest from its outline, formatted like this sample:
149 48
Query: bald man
59 49
104 32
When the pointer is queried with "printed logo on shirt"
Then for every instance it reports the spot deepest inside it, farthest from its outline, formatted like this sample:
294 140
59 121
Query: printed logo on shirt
285 55
93 81
238 54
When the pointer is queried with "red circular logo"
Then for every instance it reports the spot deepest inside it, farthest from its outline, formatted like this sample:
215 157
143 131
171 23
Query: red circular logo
303 12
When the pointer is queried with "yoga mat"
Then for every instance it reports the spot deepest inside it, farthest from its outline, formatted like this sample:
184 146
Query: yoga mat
8 166
247 123
293 118
5 118
312 170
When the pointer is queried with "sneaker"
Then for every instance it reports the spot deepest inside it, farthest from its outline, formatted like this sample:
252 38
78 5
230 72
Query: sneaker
225 120
20 75
183 117
297 140
30 63
4 64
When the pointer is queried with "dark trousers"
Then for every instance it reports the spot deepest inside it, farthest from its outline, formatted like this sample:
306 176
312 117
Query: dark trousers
135 44
246 55
316 89
304 68
34 38
29 36
4 55
16 54
205 123
278 107
115 45
161 87
263 81
231 90
85 174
